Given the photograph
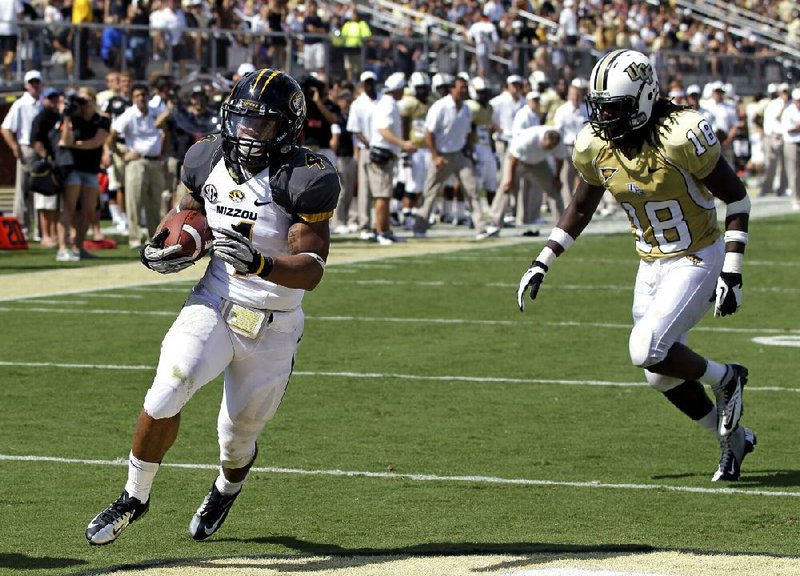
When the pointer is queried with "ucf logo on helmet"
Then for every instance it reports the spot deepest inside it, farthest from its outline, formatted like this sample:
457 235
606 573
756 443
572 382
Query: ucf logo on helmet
640 71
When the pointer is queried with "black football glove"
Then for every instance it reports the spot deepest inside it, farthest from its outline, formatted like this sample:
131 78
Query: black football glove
728 294
156 257
238 251
532 279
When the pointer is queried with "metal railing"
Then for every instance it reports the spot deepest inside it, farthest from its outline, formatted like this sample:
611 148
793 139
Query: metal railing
217 52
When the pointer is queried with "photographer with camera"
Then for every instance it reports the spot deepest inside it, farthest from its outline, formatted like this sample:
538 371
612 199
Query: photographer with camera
321 117
83 132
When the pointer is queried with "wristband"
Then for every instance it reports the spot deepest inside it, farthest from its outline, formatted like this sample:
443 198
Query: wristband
736 236
562 238
546 256
733 262
739 207
264 267
319 260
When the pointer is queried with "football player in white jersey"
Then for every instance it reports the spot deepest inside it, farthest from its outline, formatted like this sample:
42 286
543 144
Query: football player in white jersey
662 163
268 202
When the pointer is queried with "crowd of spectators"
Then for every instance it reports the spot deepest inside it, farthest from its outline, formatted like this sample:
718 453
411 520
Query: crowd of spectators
333 37
332 49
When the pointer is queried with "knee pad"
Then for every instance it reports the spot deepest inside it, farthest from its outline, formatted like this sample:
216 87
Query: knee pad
166 400
660 382
237 444
641 346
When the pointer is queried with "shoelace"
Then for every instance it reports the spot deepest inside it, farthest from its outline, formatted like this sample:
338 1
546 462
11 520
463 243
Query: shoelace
117 509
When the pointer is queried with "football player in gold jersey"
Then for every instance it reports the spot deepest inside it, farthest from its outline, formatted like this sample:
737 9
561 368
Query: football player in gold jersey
662 164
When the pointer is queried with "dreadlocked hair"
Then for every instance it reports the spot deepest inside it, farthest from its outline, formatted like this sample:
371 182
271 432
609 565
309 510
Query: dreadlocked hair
663 109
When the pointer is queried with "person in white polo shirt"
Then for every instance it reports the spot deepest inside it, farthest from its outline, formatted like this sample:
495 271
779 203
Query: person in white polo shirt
16 130
569 119
790 125
141 127
385 144
773 143
528 156
448 126
358 123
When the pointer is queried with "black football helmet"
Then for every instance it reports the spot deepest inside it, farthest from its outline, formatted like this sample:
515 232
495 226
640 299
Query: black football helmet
263 115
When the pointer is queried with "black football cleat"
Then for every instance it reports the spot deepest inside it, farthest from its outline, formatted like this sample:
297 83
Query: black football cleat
109 524
729 398
734 448
211 514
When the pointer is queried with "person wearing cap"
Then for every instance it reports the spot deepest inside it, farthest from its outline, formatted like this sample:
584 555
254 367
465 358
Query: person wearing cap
724 119
413 110
448 126
16 131
529 115
528 201
790 125
773 143
569 119
43 136
113 106
693 96
504 107
359 124
386 143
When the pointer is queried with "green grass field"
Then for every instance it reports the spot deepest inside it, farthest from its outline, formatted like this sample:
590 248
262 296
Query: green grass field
426 415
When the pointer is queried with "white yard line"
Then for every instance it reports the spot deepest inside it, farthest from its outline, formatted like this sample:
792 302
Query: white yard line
477 479
389 376
24 307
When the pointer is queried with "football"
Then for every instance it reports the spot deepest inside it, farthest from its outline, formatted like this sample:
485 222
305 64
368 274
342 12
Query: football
189 228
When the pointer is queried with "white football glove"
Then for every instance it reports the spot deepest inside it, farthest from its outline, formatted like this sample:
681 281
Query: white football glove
157 258
532 279
728 293
238 251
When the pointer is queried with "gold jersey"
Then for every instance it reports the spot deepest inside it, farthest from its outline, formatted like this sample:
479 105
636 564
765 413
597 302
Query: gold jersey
671 211
482 121
413 112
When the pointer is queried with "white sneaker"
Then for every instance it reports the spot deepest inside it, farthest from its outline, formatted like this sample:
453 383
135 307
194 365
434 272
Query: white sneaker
385 239
67 256
367 235
490 232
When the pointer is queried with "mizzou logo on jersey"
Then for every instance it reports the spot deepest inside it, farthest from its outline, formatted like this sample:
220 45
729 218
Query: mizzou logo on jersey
236 195
237 213
640 71
314 161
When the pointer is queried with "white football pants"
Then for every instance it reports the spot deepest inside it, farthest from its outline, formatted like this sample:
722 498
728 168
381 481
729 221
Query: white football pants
670 297
199 346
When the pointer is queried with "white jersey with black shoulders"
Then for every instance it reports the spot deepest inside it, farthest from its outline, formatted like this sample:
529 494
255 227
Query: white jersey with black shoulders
302 187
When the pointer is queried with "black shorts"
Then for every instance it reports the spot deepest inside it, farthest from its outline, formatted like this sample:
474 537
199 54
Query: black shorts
8 43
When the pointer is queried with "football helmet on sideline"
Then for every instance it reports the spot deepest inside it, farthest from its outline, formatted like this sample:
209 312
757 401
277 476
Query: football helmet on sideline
264 114
623 87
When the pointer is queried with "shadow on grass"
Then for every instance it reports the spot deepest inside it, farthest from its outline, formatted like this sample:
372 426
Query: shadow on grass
318 557
750 478
24 562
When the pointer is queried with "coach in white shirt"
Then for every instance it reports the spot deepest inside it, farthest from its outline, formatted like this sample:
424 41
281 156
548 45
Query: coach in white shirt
386 135
773 143
529 153
140 125
359 124
725 120
790 125
569 119
448 125
16 130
